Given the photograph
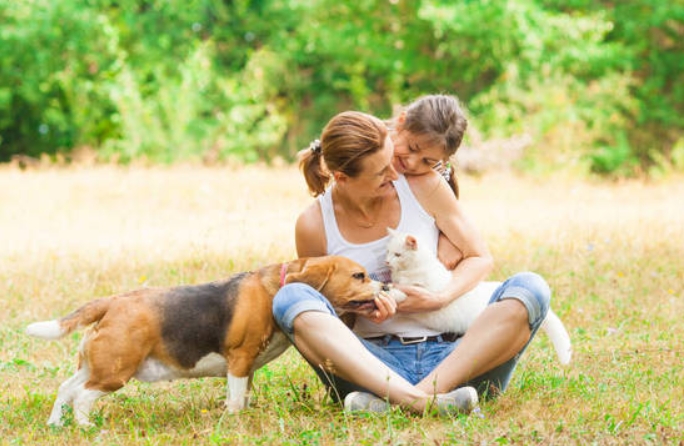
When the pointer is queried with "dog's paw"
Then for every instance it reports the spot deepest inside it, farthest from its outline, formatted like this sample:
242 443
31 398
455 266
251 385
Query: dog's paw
55 423
236 405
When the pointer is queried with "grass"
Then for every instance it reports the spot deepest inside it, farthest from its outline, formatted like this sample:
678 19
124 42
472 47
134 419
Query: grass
611 252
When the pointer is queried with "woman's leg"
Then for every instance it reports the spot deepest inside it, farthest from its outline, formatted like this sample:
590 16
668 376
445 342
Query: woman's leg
492 345
310 322
333 349
328 344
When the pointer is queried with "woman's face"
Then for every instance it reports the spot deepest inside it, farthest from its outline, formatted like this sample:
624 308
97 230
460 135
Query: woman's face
413 155
377 172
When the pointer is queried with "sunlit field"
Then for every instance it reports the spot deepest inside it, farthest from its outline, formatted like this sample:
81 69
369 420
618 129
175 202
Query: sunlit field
613 254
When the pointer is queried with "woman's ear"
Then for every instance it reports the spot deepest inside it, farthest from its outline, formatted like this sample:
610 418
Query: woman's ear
339 177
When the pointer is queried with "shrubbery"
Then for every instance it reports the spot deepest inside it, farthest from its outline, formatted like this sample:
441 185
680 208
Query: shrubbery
597 84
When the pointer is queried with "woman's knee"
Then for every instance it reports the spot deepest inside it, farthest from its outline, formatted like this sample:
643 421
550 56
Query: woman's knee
294 299
533 291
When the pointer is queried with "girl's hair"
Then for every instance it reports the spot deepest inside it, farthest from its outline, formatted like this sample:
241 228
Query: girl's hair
440 120
346 140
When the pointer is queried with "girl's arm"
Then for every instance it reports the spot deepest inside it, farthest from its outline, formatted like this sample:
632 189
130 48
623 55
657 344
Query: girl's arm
448 253
438 200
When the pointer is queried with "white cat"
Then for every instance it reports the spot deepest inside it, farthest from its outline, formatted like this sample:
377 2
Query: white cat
412 264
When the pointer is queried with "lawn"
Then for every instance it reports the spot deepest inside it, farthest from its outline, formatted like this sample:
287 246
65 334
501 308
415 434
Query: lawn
613 254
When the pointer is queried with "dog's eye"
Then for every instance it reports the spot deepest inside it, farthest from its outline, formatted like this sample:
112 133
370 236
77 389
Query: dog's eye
360 276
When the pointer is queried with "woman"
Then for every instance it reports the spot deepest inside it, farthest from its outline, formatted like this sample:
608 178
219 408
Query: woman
389 357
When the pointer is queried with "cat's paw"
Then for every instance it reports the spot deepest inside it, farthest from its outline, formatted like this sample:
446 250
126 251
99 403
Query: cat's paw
396 294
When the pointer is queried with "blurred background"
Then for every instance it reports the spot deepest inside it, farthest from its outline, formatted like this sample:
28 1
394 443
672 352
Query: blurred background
581 85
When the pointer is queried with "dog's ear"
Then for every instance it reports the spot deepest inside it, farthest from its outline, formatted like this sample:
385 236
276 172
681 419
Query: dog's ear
349 319
315 273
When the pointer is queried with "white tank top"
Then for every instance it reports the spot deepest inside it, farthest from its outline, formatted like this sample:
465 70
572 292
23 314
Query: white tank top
414 220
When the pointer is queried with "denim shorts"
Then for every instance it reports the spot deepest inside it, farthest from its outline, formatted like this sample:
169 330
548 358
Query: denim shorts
415 361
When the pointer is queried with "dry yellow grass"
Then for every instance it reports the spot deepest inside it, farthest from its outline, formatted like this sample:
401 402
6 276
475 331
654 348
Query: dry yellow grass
151 212
611 252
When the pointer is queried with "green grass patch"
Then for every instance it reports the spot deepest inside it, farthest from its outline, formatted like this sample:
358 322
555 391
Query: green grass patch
611 253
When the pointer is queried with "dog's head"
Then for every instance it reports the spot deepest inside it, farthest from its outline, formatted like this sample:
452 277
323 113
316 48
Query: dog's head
342 281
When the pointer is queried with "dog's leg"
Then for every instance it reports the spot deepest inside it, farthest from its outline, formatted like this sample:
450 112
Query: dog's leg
240 364
111 357
66 394
85 398
237 398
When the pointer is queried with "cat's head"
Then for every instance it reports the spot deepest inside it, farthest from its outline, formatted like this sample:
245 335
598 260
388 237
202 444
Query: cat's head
401 249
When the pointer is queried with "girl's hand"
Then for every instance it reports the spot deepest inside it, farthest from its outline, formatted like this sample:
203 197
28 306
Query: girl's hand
386 308
419 300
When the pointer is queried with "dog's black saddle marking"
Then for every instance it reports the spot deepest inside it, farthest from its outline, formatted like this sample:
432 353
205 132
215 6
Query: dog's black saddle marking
196 318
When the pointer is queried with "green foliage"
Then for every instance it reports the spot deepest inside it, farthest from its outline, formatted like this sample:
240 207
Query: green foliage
651 35
54 57
654 32
615 159
252 80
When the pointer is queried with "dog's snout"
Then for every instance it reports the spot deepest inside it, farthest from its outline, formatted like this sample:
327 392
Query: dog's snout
377 287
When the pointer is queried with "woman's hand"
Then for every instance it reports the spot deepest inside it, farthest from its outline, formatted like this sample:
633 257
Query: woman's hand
419 300
386 308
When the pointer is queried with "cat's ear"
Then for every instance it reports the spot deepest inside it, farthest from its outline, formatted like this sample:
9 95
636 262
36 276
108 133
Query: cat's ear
411 242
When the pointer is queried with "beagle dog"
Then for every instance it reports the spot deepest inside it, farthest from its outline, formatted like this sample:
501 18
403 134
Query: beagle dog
222 328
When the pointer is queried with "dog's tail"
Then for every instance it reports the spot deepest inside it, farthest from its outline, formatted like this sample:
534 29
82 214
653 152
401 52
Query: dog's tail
560 338
84 316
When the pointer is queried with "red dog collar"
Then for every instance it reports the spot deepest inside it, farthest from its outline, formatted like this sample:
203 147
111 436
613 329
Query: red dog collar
283 271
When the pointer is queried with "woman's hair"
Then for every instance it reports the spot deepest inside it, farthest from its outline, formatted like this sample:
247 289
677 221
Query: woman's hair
440 120
346 140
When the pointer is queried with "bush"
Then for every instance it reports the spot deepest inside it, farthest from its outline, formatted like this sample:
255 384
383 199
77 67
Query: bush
596 85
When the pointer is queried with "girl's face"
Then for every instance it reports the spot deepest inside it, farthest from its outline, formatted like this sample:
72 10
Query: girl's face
377 172
413 155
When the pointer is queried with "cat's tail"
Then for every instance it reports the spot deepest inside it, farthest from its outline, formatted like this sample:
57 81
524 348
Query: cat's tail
560 338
